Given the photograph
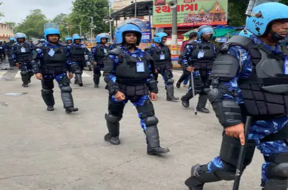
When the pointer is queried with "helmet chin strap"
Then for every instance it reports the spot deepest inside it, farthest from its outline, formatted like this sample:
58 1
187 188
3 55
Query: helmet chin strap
276 37
130 46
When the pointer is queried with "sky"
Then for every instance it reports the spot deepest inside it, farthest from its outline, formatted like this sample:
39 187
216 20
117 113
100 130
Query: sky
17 10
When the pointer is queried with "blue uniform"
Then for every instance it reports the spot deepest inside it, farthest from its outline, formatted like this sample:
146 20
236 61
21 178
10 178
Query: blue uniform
80 62
53 62
260 128
202 62
98 54
138 101
2 51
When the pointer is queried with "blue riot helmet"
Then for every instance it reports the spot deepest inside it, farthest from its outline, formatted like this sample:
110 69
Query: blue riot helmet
51 31
42 40
12 39
158 37
20 35
99 38
76 37
205 30
259 22
68 38
125 28
245 33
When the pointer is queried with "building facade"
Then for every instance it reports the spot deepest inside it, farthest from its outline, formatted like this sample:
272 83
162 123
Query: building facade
5 32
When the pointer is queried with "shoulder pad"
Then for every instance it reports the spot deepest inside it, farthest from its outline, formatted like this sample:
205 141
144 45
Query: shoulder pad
148 57
242 41
115 51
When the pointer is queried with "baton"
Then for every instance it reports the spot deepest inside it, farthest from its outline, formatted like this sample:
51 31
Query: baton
239 168
193 93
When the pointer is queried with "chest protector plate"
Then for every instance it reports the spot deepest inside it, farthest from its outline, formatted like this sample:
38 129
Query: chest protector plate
206 61
100 54
161 56
57 60
265 92
77 53
23 53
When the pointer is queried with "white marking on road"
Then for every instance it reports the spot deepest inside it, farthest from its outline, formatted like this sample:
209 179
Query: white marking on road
84 74
2 73
18 75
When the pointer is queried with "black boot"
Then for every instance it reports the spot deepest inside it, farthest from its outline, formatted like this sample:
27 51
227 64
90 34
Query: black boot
178 84
78 77
48 98
67 99
202 103
113 126
96 81
170 93
25 78
199 176
30 76
153 141
185 99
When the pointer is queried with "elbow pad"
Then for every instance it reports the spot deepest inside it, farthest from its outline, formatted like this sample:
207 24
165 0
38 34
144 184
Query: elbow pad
227 111
152 86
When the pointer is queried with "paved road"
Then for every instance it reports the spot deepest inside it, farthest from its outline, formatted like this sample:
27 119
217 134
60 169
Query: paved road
42 150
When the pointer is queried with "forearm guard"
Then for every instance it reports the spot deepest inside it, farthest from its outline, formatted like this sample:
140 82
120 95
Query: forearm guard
152 86
35 67
113 88
227 111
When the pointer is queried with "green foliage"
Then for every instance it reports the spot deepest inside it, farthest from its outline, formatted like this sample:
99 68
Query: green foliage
1 13
62 21
237 9
11 24
82 12
33 25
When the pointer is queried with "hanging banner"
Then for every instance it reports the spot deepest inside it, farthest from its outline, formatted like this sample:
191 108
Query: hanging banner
146 33
191 13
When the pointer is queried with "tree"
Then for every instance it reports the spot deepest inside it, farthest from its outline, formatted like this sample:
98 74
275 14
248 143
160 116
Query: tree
237 9
62 21
1 13
82 12
11 24
33 25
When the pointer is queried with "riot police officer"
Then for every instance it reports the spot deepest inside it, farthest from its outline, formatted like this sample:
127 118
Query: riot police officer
2 51
249 78
163 64
9 51
52 61
22 53
199 55
128 73
78 51
68 40
97 57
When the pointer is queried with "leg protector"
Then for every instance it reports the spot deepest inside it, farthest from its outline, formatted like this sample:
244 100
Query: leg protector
48 97
78 77
202 103
31 73
25 77
275 184
170 90
66 95
113 124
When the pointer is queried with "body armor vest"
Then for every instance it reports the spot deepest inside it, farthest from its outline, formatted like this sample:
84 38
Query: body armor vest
207 58
265 92
2 48
77 53
23 53
161 56
132 82
57 60
100 54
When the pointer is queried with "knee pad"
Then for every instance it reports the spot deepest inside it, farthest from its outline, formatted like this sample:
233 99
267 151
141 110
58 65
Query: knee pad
78 71
170 81
24 73
275 184
112 118
151 121
168 74
230 149
66 89
46 91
